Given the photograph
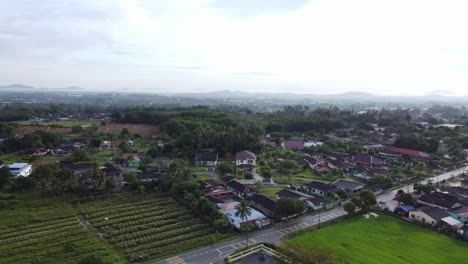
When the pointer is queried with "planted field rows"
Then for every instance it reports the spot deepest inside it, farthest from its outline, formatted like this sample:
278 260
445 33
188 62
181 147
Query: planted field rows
55 241
148 229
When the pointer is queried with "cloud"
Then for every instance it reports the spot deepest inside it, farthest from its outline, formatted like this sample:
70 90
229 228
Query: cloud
303 46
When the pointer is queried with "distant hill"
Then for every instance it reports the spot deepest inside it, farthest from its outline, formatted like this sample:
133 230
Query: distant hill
16 87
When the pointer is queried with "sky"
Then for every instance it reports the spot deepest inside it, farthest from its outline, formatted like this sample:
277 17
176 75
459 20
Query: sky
319 46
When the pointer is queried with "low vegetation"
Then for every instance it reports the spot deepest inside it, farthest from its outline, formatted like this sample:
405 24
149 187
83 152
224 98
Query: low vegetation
384 240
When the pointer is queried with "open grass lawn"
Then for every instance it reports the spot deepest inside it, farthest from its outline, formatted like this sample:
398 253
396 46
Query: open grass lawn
202 176
385 240
269 191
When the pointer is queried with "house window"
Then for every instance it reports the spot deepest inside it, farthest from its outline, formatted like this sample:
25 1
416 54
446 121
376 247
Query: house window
249 161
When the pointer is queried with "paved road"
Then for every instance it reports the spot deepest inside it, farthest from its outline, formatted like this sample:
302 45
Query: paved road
386 196
217 253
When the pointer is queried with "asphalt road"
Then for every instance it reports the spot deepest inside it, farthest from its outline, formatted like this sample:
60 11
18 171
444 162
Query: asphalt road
217 253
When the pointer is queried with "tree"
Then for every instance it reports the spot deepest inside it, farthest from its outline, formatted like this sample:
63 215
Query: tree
131 179
297 253
77 129
407 199
350 208
243 211
381 181
420 167
226 167
5 176
265 171
286 207
124 133
365 201
423 188
79 155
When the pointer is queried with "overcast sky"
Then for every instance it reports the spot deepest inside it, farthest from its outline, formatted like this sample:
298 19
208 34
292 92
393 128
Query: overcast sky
317 46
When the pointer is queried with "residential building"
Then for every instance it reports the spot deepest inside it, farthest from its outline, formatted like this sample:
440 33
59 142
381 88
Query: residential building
367 161
320 188
77 168
428 215
19 169
238 188
438 199
206 159
293 144
255 217
246 161
263 203
348 185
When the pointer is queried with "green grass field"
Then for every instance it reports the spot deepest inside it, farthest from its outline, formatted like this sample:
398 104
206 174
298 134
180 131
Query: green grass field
385 240
269 191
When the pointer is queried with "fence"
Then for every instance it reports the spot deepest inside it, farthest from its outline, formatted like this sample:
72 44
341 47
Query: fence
258 248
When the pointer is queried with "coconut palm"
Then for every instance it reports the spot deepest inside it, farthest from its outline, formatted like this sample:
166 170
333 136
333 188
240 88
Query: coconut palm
243 212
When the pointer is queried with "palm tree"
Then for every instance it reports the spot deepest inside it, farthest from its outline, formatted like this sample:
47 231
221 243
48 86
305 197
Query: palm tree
420 167
244 211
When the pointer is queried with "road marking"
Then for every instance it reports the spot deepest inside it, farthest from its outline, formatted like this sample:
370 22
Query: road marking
176 260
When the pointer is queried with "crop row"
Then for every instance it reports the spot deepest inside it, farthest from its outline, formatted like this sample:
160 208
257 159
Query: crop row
52 250
142 221
160 231
129 207
131 247
118 231
159 239
38 235
171 248
51 239
33 230
123 206
156 214
135 211
37 227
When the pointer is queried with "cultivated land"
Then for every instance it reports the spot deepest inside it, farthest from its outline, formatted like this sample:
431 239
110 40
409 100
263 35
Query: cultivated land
39 230
147 228
117 228
385 240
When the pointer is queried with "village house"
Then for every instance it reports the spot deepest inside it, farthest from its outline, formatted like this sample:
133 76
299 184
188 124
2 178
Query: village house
206 159
246 161
63 150
19 169
77 168
263 203
37 151
320 188
438 199
256 218
238 188
367 161
428 215
161 163
132 160
348 186
293 144
113 173
149 176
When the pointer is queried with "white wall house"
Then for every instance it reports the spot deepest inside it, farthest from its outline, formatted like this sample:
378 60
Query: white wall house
20 169
246 161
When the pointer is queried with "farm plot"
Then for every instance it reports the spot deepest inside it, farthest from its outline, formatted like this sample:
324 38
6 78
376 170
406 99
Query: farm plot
145 130
59 240
150 228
